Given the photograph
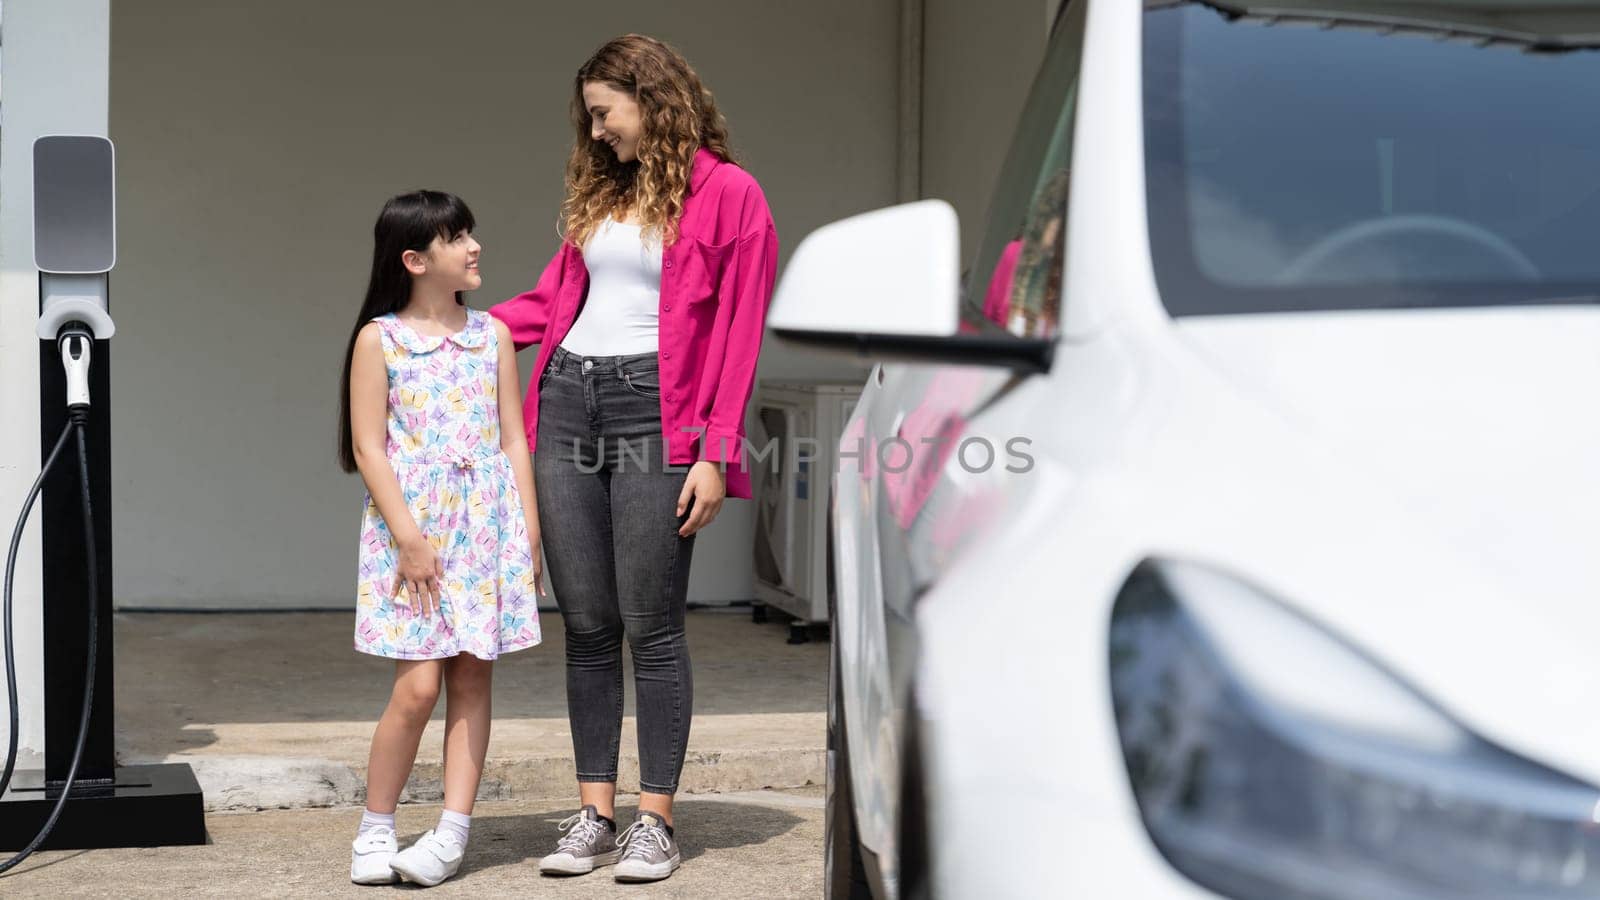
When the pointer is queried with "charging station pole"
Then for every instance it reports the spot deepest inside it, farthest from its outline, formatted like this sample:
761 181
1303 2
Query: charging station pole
66 585
108 805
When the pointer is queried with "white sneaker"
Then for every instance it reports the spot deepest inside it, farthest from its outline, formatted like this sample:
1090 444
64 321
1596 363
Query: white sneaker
370 854
432 859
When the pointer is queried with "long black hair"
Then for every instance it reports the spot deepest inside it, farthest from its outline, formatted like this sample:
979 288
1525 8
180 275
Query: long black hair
408 222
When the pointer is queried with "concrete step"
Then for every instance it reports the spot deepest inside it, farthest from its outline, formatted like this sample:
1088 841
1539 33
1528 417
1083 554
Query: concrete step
528 760
274 710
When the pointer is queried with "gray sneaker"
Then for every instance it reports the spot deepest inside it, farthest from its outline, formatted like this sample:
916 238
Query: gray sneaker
589 842
648 851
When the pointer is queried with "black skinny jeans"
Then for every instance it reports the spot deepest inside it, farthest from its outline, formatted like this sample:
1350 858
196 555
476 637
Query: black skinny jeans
608 517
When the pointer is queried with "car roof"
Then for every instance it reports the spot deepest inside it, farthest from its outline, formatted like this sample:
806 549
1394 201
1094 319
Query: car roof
1540 24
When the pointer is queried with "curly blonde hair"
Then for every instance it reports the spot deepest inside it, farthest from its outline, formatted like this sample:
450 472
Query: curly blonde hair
679 116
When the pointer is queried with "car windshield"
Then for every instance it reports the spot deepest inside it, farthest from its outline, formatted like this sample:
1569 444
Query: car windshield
1314 162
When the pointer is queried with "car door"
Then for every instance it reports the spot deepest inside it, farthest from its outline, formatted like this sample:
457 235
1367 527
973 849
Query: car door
923 432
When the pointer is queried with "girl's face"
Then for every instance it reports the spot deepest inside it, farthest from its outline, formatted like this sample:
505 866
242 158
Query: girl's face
614 119
451 263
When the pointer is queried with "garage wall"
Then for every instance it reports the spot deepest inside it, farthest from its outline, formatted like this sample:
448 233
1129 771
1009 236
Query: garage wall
256 142
979 60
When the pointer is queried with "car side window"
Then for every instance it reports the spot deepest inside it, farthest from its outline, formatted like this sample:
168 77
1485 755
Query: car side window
1015 283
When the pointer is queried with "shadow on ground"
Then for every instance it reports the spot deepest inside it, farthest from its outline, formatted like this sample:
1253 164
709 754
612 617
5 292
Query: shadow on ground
704 826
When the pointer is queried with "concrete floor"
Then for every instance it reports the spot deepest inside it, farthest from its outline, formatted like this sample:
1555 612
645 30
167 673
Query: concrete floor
761 844
275 710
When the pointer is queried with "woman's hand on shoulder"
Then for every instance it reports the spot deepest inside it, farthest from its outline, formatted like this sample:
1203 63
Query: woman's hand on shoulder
707 486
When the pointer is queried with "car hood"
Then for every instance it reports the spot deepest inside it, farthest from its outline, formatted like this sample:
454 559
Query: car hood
1483 426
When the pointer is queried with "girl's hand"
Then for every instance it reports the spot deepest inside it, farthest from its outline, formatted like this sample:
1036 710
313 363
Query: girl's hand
420 571
538 556
706 485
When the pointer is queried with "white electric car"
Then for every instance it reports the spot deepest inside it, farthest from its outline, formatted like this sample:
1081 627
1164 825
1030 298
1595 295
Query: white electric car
1232 526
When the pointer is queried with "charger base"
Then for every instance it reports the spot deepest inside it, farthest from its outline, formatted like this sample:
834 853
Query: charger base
144 806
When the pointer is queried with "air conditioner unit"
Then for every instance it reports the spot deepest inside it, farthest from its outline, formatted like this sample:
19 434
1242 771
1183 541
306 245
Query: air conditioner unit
794 451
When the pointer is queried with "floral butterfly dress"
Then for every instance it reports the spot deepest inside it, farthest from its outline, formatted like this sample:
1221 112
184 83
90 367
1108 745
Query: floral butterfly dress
444 446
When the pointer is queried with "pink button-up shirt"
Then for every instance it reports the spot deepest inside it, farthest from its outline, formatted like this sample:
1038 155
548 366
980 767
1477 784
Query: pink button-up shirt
716 282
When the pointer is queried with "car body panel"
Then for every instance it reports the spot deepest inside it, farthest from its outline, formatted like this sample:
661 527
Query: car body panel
1420 483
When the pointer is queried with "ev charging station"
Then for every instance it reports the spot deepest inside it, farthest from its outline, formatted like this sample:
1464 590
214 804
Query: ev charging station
82 798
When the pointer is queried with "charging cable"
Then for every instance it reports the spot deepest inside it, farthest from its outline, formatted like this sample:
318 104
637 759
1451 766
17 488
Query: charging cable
75 342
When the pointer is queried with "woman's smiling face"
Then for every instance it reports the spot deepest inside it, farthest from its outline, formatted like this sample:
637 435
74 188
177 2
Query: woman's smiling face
614 119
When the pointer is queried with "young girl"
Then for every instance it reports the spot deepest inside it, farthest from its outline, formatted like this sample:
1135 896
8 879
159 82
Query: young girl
449 561
649 321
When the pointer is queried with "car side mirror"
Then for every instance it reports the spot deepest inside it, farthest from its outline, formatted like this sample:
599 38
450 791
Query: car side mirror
886 285
892 271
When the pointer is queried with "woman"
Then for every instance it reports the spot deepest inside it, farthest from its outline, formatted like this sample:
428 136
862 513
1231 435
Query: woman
649 321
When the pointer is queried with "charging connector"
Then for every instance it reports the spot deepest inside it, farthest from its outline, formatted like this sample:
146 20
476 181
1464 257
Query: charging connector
76 343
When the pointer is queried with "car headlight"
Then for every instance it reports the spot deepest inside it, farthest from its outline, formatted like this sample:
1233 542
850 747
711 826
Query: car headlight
1270 759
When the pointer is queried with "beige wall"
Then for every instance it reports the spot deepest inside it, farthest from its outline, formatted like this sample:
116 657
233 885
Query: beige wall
256 142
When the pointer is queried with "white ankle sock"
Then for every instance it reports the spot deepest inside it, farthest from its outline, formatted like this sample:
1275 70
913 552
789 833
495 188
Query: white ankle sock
454 823
371 820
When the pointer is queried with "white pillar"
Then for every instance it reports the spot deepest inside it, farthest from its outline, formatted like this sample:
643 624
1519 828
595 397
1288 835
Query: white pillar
55 62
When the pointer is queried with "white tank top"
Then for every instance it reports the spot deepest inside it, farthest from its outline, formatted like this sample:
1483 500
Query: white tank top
622 315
